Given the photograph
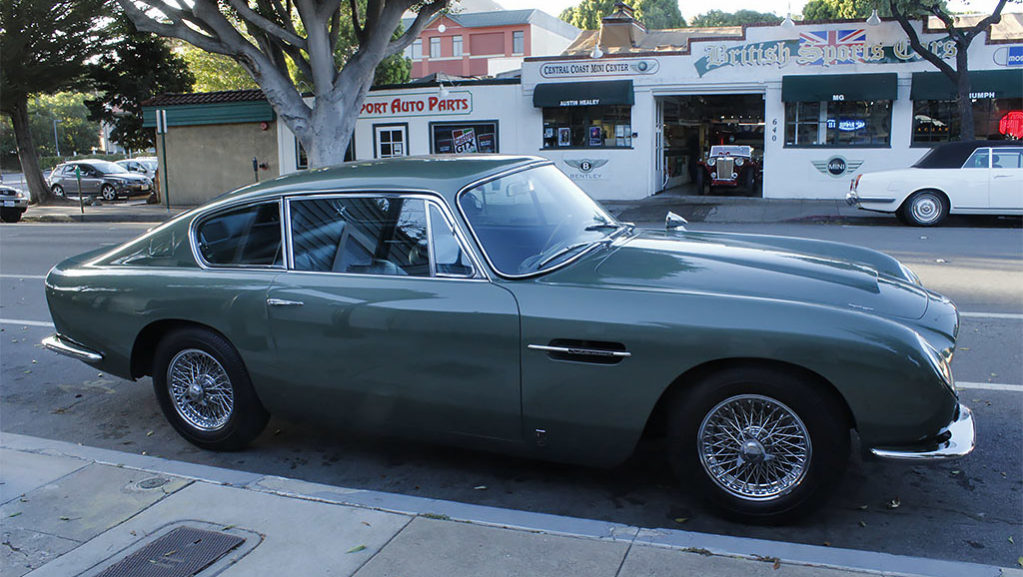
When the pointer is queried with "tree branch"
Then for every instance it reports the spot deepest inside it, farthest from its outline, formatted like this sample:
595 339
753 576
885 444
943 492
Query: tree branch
175 29
271 28
914 41
987 22
360 32
426 14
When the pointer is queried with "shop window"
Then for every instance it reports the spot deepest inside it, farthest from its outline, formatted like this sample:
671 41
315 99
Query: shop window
518 42
456 46
938 120
461 138
435 47
588 127
839 124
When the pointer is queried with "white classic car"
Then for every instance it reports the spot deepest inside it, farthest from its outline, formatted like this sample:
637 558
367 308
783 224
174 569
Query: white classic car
978 177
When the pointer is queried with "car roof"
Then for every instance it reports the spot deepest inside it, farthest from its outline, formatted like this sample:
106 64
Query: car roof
954 154
443 173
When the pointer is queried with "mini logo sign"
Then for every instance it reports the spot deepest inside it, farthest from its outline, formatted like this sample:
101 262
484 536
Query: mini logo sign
585 168
836 166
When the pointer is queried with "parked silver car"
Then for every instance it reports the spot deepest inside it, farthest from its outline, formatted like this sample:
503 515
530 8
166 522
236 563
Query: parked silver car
145 165
13 203
98 177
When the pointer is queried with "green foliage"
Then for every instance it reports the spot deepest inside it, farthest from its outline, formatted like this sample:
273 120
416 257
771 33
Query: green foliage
213 72
654 14
738 18
138 67
75 132
838 9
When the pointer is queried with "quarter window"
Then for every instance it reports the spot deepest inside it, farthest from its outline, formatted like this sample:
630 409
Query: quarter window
364 235
249 236
979 159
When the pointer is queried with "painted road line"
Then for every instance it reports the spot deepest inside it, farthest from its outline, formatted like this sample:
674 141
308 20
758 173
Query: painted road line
26 323
989 386
32 276
1013 316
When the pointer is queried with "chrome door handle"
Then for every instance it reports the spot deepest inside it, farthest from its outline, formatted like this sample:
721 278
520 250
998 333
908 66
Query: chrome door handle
283 303
1003 175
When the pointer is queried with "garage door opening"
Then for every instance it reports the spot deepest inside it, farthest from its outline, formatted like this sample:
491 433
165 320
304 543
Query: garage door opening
693 126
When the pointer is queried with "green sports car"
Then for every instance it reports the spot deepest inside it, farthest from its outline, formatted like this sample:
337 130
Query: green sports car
487 301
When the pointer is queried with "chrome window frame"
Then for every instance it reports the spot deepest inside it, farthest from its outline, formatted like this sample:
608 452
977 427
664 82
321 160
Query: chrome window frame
483 251
986 150
428 196
193 239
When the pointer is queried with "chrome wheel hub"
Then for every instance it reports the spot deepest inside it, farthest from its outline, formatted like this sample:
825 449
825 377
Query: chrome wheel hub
925 209
754 447
200 389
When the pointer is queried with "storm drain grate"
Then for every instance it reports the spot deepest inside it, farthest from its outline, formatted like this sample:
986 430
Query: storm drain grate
183 552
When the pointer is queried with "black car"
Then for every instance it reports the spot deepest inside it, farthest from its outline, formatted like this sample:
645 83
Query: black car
97 177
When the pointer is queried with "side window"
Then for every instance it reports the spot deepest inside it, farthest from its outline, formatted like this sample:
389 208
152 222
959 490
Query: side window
978 159
448 256
249 236
1002 158
365 235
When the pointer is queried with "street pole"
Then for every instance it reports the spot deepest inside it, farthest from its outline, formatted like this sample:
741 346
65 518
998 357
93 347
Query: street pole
81 195
161 127
56 143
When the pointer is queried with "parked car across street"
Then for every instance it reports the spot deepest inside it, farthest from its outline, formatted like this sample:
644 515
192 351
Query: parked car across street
978 177
13 203
489 302
98 177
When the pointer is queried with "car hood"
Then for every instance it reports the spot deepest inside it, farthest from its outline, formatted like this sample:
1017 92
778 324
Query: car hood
756 266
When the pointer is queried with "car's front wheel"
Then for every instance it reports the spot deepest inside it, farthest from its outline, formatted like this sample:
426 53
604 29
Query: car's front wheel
763 444
109 192
925 208
204 390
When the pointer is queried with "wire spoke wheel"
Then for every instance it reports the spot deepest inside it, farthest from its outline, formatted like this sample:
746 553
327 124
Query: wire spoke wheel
754 447
200 389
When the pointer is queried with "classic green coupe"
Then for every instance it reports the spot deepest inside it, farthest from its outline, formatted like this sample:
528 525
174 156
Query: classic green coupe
487 301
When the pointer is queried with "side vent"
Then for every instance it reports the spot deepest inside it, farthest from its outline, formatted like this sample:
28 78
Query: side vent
580 351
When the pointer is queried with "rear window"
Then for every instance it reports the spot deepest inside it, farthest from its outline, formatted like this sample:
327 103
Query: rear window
249 236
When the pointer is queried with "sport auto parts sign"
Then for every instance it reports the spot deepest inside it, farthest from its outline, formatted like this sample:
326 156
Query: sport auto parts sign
455 103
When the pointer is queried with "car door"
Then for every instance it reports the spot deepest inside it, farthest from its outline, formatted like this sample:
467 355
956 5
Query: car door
91 179
967 187
1006 185
384 321
68 180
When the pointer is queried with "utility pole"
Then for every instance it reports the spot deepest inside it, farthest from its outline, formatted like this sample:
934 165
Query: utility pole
56 142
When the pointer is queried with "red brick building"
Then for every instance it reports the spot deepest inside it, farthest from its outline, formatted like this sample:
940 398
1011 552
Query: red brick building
486 43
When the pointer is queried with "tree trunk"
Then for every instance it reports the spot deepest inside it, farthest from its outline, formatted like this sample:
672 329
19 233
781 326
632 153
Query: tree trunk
965 103
37 188
333 121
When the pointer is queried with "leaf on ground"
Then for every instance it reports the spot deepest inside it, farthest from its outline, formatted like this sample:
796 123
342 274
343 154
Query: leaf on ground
863 507
1011 541
681 520
1020 561
149 433
366 524
863 523
894 503
480 487
169 553
14 514
956 472
356 549
964 348
62 518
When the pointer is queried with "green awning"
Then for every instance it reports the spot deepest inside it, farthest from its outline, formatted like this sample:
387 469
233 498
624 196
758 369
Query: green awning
584 93
212 113
983 84
839 87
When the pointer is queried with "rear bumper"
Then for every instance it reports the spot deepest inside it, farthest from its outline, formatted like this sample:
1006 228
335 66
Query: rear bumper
955 440
65 346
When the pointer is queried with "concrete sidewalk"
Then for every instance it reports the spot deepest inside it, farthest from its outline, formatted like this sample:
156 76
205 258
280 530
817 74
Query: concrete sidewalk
648 211
69 510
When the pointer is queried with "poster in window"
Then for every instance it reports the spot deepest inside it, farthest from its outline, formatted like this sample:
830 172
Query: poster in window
620 134
396 149
595 136
464 140
486 143
548 132
564 136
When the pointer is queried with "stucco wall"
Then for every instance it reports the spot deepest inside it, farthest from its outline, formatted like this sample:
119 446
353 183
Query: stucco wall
205 161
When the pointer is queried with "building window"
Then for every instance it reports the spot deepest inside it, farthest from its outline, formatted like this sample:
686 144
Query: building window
390 140
461 138
435 47
456 46
588 127
518 42
865 123
938 120
417 50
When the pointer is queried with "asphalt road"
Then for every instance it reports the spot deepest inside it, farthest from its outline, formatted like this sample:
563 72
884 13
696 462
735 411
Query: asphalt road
966 510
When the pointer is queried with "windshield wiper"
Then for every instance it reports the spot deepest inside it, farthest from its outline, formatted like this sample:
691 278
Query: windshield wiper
569 249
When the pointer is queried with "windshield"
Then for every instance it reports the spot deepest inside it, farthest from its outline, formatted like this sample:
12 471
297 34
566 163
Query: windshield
534 220
107 167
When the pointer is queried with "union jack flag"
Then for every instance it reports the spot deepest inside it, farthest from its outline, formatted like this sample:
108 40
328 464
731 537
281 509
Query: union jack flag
834 39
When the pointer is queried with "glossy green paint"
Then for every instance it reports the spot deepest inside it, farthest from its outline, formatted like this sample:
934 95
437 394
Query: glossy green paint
449 358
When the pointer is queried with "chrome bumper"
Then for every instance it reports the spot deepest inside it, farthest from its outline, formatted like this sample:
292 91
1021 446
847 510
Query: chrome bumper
954 441
74 350
852 199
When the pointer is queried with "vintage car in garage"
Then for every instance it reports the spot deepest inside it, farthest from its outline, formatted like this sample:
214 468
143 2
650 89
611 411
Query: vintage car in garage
978 177
730 166
487 301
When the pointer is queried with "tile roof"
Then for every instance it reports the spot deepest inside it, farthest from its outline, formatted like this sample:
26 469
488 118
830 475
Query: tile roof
170 99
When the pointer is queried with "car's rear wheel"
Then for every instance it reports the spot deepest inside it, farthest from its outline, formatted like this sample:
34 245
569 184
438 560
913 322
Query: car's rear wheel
57 191
109 192
925 208
10 214
764 445
205 392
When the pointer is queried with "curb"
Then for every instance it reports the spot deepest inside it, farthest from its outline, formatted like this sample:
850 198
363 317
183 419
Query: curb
737 547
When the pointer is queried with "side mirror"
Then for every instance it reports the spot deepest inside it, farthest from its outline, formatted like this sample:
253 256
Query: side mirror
673 221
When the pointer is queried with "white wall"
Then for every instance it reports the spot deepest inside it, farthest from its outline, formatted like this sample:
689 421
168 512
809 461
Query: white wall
547 43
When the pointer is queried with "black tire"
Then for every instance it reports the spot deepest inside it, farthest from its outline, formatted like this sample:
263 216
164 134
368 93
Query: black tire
228 430
10 214
57 191
925 208
108 192
823 437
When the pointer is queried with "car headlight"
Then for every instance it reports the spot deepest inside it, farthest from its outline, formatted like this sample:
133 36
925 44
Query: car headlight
739 162
938 363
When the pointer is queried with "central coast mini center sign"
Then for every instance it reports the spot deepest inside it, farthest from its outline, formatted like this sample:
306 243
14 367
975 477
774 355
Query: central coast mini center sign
611 67
454 103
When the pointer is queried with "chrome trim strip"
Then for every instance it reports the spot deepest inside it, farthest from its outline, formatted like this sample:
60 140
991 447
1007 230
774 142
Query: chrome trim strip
580 351
64 346
272 302
962 438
